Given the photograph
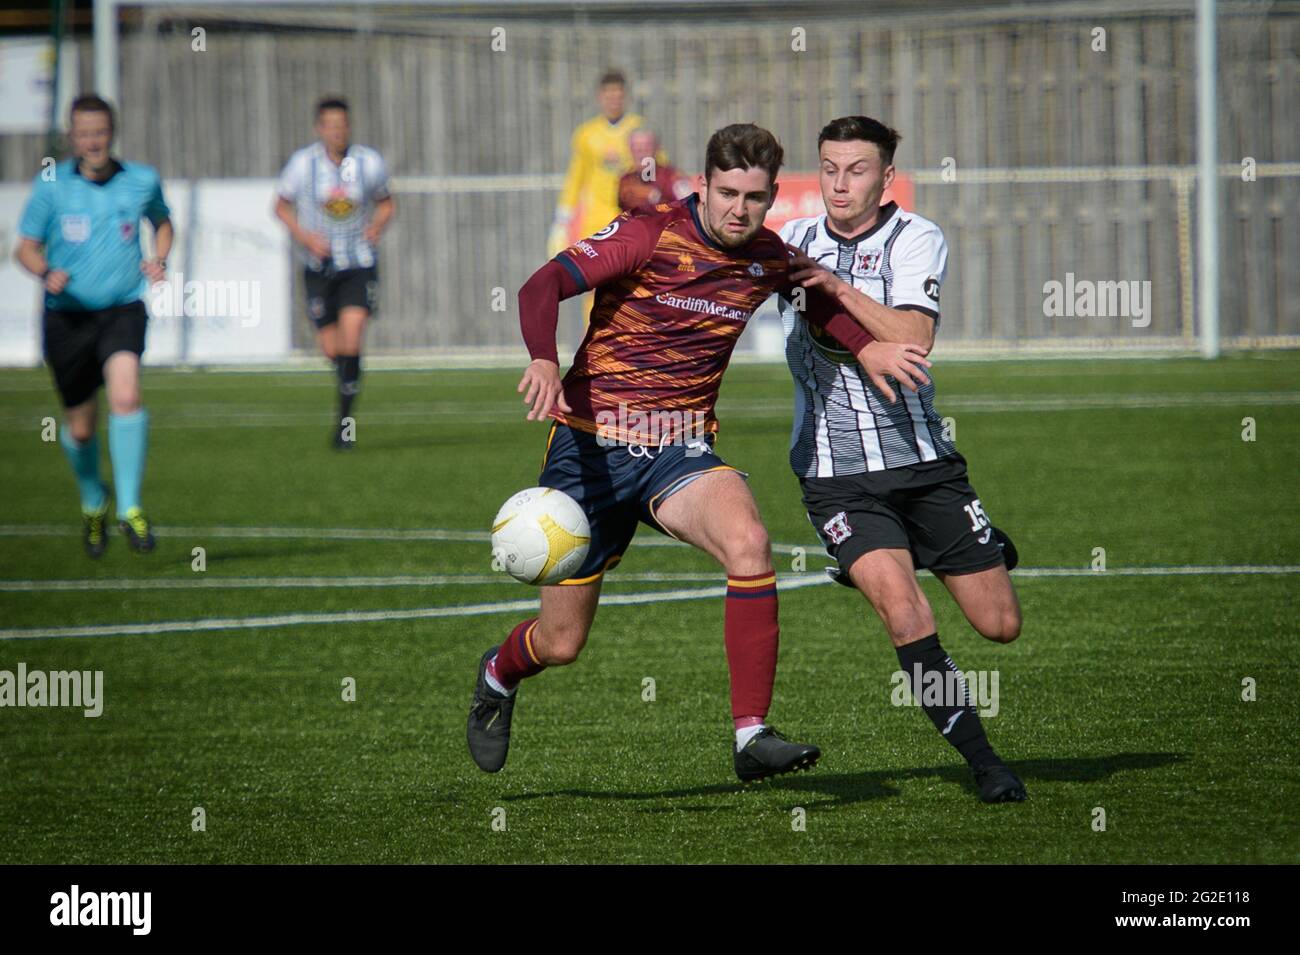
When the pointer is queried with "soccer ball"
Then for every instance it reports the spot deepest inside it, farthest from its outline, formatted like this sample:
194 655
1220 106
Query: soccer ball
540 536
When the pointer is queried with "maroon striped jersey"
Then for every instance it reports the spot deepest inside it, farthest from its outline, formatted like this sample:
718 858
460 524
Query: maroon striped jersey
669 307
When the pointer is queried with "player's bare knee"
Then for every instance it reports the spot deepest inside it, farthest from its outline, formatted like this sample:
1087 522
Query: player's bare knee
905 617
748 550
124 402
1002 628
81 429
560 645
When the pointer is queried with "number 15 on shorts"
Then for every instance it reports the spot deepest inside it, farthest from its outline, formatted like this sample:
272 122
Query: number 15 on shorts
978 519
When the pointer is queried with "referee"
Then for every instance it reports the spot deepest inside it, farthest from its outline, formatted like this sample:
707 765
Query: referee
80 235
334 199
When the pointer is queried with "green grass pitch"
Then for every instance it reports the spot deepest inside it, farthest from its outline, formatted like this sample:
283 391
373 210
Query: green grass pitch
1124 692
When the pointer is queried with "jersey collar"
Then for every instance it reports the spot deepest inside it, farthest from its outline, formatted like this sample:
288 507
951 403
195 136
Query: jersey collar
886 213
325 153
114 168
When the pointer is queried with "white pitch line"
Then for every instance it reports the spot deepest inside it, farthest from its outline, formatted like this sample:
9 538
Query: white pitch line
1208 570
517 606
493 411
369 616
325 533
451 580
290 583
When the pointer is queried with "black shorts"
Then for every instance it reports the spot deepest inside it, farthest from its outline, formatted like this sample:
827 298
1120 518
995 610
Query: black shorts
929 509
76 345
329 291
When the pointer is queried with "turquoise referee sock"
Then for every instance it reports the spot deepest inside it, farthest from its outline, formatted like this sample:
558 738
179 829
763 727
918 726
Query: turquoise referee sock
84 459
128 443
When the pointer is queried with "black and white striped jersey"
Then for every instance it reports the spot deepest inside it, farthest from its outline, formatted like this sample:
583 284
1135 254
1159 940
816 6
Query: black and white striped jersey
842 423
336 200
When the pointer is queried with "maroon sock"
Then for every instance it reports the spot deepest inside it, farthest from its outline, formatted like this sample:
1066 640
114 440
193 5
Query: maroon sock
515 659
752 637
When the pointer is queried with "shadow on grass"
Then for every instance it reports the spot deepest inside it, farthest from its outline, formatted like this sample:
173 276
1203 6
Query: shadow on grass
236 554
849 788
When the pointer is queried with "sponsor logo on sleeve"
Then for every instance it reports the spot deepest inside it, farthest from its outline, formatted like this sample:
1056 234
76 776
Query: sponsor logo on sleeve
931 289
606 232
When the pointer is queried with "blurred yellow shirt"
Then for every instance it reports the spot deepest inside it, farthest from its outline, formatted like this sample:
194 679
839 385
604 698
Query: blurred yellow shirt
599 157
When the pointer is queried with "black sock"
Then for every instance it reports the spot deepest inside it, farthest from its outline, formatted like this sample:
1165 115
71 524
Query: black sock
966 732
349 367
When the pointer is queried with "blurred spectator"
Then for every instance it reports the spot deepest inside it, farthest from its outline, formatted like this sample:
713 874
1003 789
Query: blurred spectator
650 182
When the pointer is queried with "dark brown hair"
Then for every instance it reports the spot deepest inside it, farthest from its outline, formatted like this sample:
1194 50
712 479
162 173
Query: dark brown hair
91 103
331 102
849 128
743 146
612 78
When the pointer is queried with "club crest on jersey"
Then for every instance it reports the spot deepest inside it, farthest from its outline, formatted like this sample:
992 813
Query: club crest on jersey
339 206
869 262
75 228
127 231
755 269
606 232
837 529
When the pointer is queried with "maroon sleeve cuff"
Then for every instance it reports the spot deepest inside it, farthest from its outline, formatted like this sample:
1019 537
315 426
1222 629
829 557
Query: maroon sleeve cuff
848 332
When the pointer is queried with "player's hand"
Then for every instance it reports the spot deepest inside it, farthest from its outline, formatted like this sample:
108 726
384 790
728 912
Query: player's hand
373 233
317 245
154 269
56 281
544 389
904 363
802 270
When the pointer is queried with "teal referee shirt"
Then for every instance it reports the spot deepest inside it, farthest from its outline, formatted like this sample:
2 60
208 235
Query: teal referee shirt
91 230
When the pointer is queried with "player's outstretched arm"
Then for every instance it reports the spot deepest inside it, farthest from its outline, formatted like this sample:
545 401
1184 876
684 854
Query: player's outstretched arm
905 361
539 316
885 324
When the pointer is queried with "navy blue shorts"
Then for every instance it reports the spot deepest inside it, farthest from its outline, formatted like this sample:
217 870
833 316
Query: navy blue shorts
619 485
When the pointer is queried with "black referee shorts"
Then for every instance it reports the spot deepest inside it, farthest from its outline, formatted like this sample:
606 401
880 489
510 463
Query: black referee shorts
76 345
330 291
929 509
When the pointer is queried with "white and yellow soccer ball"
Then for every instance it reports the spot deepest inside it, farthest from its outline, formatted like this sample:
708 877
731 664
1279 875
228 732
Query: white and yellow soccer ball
540 536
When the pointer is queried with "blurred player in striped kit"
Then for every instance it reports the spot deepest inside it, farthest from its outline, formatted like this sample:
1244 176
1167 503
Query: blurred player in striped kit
80 235
334 198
